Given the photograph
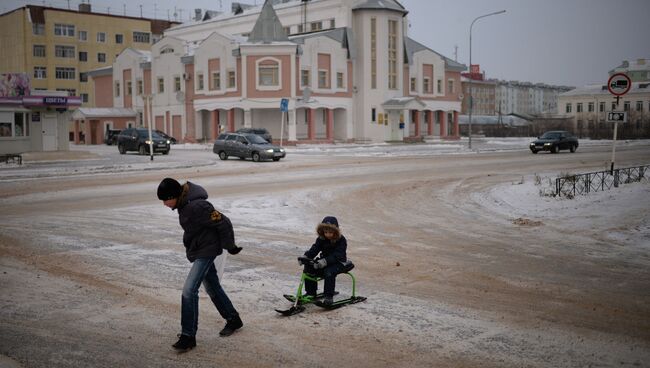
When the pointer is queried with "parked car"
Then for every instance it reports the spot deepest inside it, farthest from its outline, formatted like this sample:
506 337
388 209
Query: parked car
259 131
137 139
246 146
110 136
554 141
171 139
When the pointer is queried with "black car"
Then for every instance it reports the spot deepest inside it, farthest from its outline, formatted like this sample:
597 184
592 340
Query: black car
259 131
171 139
110 136
137 139
554 141
246 146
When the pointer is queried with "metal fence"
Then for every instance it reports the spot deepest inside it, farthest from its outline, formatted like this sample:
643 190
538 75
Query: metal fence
582 184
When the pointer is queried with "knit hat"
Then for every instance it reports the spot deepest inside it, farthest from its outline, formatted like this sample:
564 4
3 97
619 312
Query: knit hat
169 189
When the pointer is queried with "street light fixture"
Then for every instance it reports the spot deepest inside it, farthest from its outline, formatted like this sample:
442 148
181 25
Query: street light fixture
471 97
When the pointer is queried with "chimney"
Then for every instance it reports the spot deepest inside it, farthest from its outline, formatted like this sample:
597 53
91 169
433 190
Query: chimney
197 14
84 8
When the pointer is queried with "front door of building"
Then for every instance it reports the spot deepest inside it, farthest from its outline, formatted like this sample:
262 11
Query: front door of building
48 122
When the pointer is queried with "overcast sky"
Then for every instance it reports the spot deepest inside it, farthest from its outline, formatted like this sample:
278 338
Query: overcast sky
561 42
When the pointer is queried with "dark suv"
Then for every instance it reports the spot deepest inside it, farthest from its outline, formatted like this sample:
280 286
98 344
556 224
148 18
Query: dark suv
554 141
246 146
137 139
259 131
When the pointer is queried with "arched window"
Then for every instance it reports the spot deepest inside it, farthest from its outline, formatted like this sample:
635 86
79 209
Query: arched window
268 74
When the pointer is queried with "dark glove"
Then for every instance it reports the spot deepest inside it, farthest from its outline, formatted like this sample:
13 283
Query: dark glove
235 250
321 263
302 260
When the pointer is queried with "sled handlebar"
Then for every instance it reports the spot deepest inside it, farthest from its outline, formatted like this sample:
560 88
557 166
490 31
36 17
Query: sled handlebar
304 260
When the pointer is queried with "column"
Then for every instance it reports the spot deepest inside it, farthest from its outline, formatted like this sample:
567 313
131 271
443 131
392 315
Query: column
416 119
214 120
329 128
248 123
231 120
311 129
292 125
441 119
456 127
429 122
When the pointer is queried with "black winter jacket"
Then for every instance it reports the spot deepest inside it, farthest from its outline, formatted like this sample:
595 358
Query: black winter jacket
201 224
331 251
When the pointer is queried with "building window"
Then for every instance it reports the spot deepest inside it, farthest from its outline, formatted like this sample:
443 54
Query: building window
119 38
579 107
639 106
16 128
450 86
268 74
177 84
83 36
101 57
142 37
140 87
167 50
426 85
373 53
66 30
300 28
305 78
414 82
65 73
340 80
69 91
161 85
373 115
83 77
439 87
316 26
117 89
601 107
590 107
83 56
199 81
40 72
232 79
129 88
215 81
392 54
332 23
64 51
287 30
38 29
568 108
323 79
84 97
101 37
39 51
626 106
613 106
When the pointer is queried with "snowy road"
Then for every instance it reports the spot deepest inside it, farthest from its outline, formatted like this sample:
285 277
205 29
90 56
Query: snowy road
463 262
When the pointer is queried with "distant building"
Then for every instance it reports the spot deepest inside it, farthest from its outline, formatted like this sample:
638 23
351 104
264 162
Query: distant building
494 97
637 70
347 68
57 47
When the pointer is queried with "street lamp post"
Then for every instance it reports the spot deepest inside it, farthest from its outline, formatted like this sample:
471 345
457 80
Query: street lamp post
471 97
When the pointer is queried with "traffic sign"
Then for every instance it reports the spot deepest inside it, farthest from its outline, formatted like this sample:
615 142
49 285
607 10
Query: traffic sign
619 84
616 117
284 105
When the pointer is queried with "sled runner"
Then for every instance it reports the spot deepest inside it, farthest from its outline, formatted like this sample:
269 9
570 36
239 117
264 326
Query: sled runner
300 300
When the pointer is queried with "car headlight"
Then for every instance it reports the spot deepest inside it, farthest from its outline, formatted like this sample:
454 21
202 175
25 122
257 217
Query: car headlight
148 142
548 144
169 142
270 150
532 143
282 150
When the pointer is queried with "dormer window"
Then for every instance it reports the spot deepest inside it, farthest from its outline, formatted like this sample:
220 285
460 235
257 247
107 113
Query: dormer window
167 50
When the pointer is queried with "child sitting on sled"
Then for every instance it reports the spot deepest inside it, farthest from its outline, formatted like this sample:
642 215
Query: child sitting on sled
329 255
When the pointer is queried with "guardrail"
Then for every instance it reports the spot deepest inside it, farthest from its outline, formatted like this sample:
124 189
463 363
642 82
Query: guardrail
582 184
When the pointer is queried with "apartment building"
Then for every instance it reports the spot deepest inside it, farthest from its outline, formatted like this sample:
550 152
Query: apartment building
348 69
57 47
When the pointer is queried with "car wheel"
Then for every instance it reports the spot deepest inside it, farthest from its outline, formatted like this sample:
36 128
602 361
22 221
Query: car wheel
142 150
121 149
572 148
276 158
256 157
534 151
223 155
166 152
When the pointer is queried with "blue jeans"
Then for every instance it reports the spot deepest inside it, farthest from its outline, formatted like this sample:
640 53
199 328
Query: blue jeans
203 271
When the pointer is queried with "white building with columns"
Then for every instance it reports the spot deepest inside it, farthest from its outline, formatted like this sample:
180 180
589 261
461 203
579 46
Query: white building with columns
348 69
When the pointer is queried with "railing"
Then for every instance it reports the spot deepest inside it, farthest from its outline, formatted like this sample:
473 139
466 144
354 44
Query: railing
582 184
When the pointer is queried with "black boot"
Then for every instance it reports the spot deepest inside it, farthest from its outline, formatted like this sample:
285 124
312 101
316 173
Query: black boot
235 250
231 326
328 300
185 343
